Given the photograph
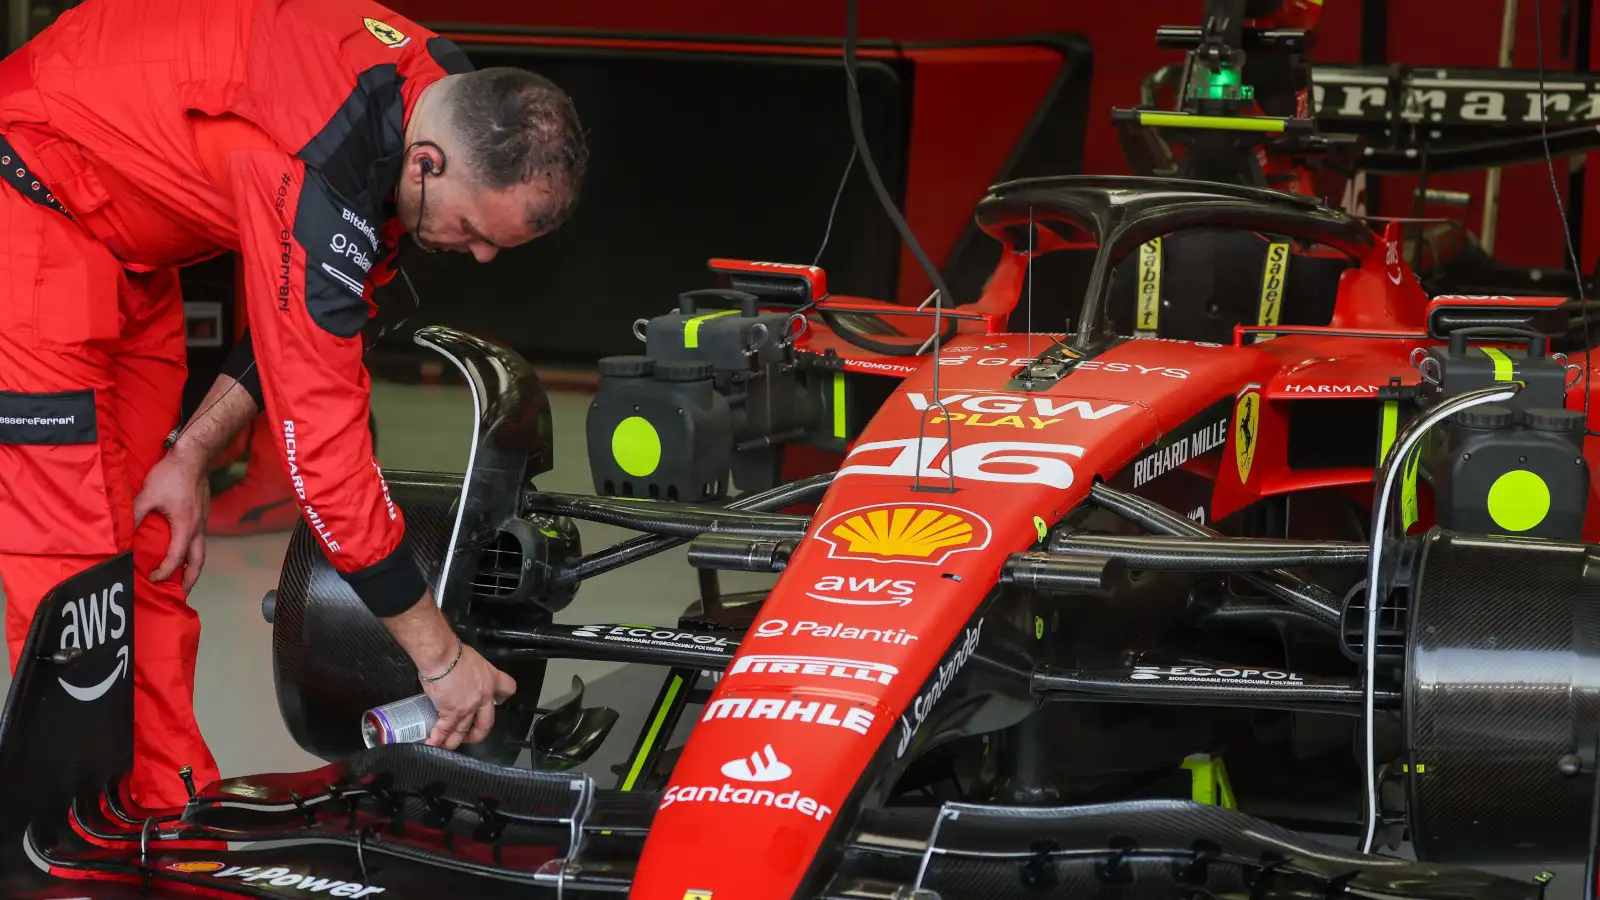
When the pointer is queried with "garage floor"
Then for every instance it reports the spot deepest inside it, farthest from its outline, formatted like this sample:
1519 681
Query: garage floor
427 428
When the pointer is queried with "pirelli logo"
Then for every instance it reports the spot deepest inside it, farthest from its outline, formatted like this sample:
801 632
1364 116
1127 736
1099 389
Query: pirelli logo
1149 319
1273 279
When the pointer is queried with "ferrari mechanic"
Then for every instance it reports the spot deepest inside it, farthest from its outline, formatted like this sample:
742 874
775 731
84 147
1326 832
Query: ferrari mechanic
307 135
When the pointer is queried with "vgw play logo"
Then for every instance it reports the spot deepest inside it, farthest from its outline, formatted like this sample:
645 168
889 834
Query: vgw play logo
94 621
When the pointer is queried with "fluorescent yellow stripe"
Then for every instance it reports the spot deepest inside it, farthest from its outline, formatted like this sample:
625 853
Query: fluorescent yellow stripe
1391 428
838 405
653 733
691 328
1218 123
1502 363
1408 493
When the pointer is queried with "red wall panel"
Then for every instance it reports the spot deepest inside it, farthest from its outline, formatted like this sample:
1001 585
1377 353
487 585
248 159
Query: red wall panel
1442 32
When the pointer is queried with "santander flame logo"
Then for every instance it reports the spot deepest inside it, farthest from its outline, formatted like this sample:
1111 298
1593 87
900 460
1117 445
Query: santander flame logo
761 767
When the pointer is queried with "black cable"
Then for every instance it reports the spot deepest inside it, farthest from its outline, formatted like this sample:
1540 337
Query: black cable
1577 272
853 98
834 210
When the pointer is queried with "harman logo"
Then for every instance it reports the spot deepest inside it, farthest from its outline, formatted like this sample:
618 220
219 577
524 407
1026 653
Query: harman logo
385 34
923 704
1331 388
1246 419
849 669
762 767
87 620
926 534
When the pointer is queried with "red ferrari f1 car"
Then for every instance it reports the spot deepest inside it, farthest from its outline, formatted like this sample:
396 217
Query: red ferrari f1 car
1128 610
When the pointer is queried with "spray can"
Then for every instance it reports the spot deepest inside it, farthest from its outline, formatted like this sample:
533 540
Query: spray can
407 721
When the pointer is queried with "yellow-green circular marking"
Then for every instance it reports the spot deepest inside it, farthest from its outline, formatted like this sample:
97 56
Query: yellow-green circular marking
1040 526
1038 627
1519 500
636 447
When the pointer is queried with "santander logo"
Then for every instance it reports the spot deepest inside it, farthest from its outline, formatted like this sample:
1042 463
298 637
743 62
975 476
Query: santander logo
762 767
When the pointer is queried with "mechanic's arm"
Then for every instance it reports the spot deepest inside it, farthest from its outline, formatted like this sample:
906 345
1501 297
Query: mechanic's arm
304 269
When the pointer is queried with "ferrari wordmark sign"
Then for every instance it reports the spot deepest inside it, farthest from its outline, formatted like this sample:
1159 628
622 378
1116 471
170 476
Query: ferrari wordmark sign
1246 418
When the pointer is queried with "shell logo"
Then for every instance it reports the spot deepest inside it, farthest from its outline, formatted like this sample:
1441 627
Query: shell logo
195 868
923 533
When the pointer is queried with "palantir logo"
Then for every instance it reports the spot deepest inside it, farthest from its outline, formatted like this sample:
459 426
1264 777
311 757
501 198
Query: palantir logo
87 621
762 767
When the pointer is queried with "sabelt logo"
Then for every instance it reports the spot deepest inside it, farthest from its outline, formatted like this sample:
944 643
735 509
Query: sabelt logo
821 666
762 767
1272 285
926 534
811 712
1150 285
88 625
280 877
923 704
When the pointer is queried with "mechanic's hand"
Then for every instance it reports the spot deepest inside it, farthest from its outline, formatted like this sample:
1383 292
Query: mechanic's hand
180 492
466 699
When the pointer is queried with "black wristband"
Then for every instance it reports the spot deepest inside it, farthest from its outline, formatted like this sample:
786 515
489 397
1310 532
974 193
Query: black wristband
391 585
241 367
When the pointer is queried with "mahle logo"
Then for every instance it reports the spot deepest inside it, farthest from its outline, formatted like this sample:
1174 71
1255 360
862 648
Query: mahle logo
926 534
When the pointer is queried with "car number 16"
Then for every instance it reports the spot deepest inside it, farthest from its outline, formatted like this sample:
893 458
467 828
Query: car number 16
975 462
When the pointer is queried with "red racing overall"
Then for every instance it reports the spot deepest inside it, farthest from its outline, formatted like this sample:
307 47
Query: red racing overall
171 131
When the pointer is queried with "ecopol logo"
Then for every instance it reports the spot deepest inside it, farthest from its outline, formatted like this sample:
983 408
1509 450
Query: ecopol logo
1208 673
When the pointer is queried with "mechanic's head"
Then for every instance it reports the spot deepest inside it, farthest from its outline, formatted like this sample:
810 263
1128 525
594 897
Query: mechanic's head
494 159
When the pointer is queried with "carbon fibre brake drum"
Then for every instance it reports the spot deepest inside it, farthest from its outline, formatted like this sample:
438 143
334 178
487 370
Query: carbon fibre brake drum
1502 697
332 659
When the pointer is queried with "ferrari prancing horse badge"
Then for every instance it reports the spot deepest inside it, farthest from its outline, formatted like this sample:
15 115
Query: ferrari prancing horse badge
1246 416
389 36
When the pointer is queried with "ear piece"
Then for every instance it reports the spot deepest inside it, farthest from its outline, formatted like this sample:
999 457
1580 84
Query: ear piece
427 163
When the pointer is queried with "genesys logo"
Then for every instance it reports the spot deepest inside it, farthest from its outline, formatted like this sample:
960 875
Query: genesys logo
922 533
818 666
762 767
1210 673
1009 410
920 708
1097 365
811 712
88 625
278 877
853 591
650 636
837 631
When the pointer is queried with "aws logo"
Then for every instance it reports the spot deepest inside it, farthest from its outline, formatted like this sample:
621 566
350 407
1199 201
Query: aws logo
387 35
88 625
926 534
